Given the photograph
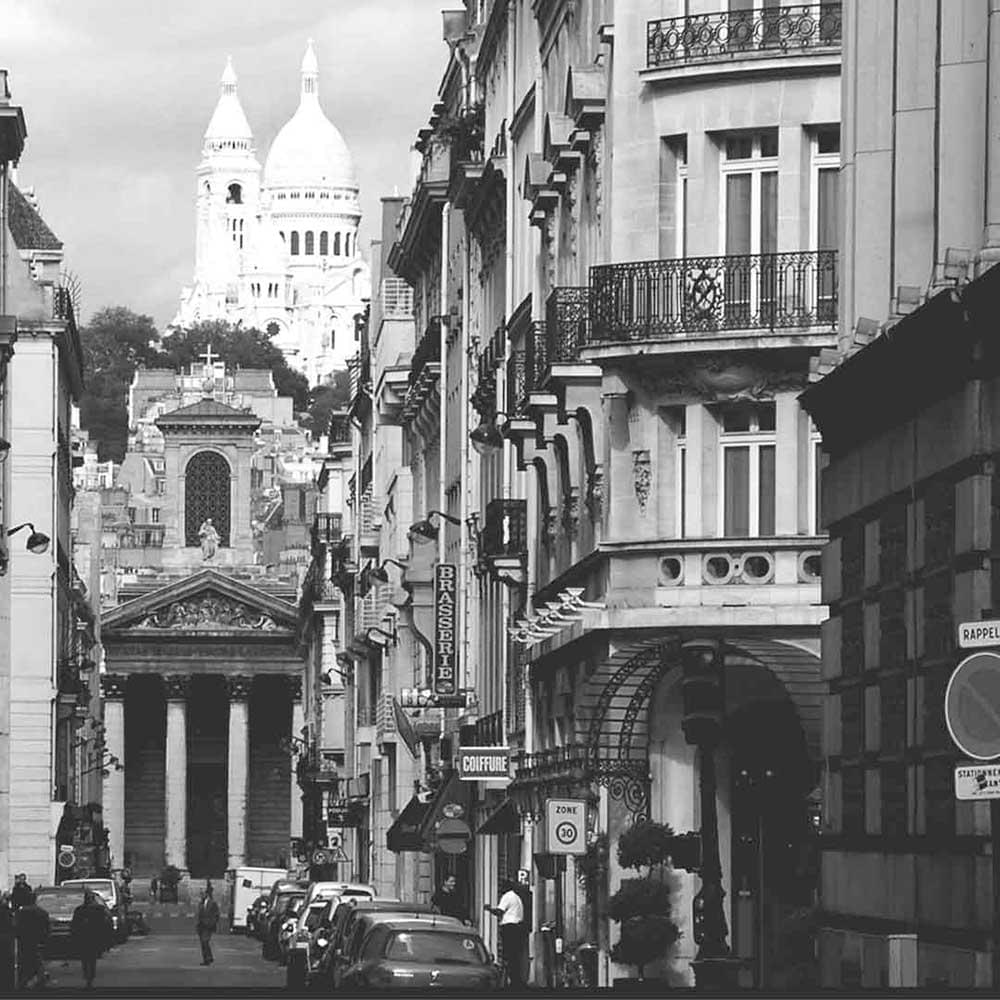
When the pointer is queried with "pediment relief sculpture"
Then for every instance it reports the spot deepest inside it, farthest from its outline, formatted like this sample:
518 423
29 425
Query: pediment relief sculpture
209 612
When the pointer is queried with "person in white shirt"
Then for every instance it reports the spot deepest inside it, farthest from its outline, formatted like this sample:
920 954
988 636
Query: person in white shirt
510 910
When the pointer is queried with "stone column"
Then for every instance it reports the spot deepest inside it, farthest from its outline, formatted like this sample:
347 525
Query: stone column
113 691
238 769
991 235
295 824
178 686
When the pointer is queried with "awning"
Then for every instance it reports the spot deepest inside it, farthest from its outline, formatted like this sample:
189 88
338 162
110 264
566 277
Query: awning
404 834
446 824
503 820
405 729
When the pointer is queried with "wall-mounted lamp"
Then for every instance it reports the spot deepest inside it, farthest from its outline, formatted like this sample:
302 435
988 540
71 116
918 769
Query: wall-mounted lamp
37 542
381 637
426 530
487 438
4 449
379 573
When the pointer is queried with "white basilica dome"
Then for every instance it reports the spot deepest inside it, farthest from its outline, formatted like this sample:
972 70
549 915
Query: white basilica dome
309 152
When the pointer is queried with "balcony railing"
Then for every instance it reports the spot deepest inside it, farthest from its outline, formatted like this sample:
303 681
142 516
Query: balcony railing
567 318
555 762
428 350
326 529
667 299
771 30
505 529
340 427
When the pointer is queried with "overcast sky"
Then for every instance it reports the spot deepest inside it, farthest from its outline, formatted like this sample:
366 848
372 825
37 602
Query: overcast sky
117 95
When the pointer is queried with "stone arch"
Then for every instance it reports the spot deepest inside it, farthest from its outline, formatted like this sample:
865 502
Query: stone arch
207 494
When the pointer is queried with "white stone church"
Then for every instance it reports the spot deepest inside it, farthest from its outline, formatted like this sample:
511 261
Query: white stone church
278 250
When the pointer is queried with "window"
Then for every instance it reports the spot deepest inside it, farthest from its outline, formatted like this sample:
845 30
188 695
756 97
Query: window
295 244
824 216
324 243
302 505
817 462
309 244
236 231
750 221
336 244
154 515
673 197
206 495
347 244
747 456
235 195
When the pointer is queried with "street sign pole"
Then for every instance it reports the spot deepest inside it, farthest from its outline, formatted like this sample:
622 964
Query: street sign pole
985 633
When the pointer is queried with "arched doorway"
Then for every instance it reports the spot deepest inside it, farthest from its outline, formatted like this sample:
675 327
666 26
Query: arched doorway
207 480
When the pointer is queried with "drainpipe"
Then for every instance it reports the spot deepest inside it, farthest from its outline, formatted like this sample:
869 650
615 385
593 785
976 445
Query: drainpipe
443 401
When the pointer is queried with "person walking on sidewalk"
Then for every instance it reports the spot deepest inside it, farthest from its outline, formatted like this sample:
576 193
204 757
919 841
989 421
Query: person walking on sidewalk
510 910
31 928
207 923
21 894
90 933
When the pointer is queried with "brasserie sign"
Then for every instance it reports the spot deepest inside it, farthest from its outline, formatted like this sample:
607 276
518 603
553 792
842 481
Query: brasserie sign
446 664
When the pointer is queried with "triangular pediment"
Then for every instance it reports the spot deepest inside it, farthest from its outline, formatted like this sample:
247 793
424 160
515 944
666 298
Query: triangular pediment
206 603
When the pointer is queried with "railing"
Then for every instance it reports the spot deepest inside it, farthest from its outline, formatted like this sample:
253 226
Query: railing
428 350
484 396
340 427
489 731
567 318
397 298
62 304
663 299
326 529
772 30
505 530
517 382
555 762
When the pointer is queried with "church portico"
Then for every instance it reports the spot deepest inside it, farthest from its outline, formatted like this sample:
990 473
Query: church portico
205 677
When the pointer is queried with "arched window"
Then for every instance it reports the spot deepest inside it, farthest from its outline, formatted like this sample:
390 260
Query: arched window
295 244
206 495
336 244
347 244
324 244
235 196
309 244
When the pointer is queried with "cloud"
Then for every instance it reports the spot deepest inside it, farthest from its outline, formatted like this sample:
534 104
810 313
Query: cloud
117 96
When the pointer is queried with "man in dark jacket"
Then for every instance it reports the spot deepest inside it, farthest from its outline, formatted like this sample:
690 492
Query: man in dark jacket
31 928
448 901
90 932
21 893
207 923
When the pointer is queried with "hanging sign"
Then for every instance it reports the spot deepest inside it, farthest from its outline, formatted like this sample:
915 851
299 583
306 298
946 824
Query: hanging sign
484 763
445 668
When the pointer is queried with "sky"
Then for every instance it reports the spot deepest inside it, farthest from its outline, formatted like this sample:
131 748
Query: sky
117 95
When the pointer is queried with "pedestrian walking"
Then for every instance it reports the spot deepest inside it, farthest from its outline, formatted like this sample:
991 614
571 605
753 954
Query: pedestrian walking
31 930
510 911
6 945
154 888
21 892
90 934
207 923
448 900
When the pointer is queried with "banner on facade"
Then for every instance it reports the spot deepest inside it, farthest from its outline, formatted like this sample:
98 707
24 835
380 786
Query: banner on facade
484 763
444 679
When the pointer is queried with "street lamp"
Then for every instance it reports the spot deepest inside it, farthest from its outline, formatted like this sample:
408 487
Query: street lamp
425 530
379 573
487 438
37 542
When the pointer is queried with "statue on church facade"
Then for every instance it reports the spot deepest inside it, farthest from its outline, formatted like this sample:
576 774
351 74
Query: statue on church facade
209 539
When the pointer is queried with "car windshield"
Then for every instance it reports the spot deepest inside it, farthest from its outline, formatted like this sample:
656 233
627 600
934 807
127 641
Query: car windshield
285 900
105 888
436 948
314 916
59 904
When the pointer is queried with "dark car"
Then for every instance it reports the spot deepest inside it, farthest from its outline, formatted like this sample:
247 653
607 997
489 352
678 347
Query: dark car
59 903
421 954
255 916
279 909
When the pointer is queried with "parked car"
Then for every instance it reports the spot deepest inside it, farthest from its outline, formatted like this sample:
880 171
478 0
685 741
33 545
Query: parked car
255 916
327 890
59 901
286 927
273 918
298 947
111 892
421 954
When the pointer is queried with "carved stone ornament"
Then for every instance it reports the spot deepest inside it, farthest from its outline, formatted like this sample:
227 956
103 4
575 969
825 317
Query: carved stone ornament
642 477
551 529
595 493
295 687
113 685
720 378
209 612
571 512
178 686
238 686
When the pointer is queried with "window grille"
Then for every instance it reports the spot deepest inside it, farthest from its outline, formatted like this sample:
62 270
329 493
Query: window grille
206 494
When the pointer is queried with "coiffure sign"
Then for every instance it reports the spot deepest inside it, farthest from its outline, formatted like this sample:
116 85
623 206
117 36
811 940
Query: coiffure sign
445 672
484 763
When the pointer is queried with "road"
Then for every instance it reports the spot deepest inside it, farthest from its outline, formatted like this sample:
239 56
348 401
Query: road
169 959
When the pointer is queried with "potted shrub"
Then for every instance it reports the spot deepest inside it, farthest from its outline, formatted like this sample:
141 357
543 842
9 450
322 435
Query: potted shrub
643 905
170 878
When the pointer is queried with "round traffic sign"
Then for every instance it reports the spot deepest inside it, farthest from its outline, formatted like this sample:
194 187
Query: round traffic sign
566 833
972 706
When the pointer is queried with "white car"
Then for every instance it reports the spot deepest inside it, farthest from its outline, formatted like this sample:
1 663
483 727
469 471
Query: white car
327 891
296 951
109 890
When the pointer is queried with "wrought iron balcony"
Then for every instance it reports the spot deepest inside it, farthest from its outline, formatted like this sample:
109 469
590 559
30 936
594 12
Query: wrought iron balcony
326 529
505 530
340 427
668 299
790 29
558 762
527 367
567 319
484 396
428 351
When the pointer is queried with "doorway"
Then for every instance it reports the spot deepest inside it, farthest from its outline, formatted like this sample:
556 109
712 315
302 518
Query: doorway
207 760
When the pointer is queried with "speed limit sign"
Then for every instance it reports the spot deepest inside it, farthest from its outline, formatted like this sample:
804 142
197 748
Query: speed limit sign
566 826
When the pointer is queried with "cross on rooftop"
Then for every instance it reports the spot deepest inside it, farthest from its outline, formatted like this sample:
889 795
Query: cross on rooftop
208 357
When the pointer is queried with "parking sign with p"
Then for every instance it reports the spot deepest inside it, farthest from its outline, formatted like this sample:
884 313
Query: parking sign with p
566 826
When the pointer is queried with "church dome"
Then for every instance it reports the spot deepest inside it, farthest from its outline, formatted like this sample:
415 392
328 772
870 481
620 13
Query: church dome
228 120
309 151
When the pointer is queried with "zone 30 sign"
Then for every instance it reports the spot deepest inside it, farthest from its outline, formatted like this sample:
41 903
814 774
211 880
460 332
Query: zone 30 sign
566 826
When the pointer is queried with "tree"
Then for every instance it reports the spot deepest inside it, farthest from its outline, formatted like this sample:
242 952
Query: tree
114 343
333 394
643 905
239 347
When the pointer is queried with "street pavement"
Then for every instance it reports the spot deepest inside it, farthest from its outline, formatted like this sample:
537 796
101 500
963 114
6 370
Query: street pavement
169 959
